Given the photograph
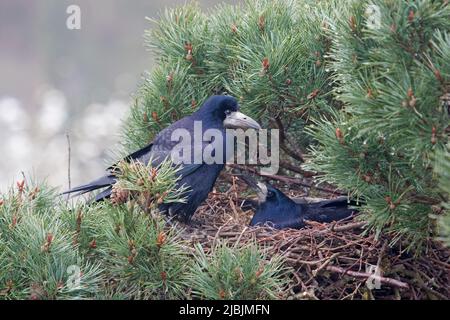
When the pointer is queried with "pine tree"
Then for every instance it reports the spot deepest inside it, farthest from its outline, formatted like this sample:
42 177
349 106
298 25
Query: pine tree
392 78
364 79
269 54
361 103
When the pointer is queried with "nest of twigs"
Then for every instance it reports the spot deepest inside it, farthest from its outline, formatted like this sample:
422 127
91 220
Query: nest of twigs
341 260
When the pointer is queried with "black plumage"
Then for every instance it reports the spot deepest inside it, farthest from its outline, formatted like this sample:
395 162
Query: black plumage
218 112
278 210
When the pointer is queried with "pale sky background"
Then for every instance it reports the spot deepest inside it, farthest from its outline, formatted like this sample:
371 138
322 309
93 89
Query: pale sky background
54 80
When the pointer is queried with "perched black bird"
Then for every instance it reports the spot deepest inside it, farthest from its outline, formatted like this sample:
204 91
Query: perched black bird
278 210
218 112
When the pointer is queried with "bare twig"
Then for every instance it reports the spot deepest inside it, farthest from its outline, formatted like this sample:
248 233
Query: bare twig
388 281
287 180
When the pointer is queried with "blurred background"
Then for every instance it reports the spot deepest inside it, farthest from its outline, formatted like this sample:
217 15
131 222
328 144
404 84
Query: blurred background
56 82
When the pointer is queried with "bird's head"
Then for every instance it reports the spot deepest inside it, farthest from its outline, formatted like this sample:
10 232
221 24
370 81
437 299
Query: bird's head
226 109
274 205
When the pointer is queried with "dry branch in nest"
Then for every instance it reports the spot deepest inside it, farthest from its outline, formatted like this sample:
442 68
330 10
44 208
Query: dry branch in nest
328 261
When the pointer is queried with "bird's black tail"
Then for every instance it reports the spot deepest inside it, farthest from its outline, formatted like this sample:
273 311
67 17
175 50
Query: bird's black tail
330 210
103 182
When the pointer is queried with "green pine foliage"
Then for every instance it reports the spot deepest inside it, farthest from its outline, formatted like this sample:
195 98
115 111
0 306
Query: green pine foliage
51 249
370 98
150 186
269 54
145 258
392 79
237 272
39 259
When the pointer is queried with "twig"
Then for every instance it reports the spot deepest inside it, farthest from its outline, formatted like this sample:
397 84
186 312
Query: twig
356 225
287 180
388 281
289 166
325 264
69 151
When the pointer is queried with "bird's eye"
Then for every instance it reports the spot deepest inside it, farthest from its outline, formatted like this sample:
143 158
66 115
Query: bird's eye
270 194
227 112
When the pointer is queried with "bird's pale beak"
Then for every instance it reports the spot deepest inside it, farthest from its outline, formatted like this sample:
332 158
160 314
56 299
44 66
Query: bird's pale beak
238 120
259 187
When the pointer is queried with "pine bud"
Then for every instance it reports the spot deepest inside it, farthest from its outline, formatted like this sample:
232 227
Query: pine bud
222 294
34 296
155 116
261 23
411 16
340 135
33 194
93 244
193 103
352 23
163 276
145 118
13 222
169 78
313 94
188 46
119 196
265 64
259 272
288 82
48 243
318 63
189 56
161 239
369 93
233 28
21 185
60 285
410 93
1 202
133 252
433 136
153 174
